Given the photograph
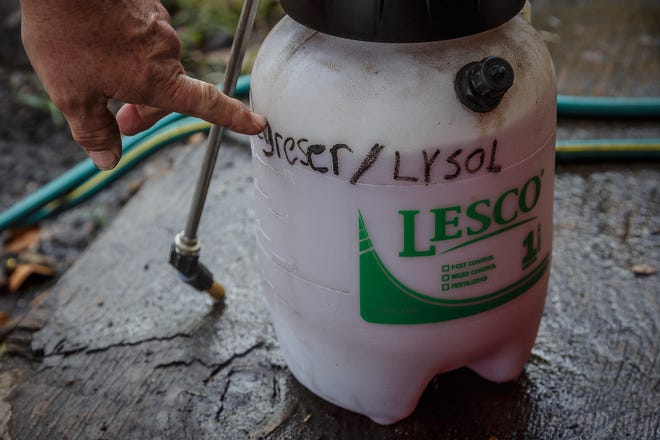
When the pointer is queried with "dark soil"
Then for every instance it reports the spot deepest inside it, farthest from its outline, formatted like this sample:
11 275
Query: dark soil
33 150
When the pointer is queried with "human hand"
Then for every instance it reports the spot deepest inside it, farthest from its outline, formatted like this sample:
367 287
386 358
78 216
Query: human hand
88 51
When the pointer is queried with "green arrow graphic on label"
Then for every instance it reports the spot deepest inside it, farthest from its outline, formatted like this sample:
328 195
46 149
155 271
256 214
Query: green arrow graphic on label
386 300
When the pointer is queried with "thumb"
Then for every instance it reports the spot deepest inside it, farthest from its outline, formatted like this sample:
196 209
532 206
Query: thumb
97 132
134 118
203 100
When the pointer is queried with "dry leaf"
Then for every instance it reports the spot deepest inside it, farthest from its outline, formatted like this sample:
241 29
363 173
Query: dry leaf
35 258
24 271
7 323
21 240
643 269
5 317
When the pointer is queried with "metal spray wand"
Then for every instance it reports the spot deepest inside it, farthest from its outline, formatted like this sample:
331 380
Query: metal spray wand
184 253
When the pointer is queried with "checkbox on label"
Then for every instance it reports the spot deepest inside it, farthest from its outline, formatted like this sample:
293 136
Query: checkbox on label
445 277
445 287
445 268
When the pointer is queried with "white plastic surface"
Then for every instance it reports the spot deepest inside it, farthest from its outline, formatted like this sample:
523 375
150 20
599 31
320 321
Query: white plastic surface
363 136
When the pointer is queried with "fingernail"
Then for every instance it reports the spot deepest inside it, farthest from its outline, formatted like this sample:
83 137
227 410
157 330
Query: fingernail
259 120
104 159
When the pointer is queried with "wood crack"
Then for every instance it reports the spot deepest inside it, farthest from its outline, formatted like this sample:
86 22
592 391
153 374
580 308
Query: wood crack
219 367
140 342
84 349
221 407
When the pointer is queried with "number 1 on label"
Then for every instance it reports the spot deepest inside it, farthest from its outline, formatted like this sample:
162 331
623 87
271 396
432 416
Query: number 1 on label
532 247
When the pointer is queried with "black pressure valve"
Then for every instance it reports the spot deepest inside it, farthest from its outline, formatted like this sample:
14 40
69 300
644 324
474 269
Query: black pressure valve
481 85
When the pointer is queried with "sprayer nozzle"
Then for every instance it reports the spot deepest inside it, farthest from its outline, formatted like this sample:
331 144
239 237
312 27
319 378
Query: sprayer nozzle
217 291
192 271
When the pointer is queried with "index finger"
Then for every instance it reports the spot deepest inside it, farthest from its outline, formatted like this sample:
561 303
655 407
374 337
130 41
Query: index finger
203 100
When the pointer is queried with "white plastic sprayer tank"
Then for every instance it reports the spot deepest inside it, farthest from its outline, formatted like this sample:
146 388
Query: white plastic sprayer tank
403 200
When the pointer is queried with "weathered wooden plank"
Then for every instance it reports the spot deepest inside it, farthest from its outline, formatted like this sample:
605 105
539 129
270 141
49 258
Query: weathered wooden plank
130 352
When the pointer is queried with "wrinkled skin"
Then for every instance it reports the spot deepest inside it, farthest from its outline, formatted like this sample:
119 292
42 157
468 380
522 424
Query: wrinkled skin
88 51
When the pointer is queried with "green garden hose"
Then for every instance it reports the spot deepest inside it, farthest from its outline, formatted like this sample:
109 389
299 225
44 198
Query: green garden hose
64 191
607 107
175 130
84 180
607 149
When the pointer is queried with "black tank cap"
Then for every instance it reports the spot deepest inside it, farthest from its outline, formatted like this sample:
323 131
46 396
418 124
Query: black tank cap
402 21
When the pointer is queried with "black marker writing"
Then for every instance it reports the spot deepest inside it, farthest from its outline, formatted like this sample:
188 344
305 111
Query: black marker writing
367 162
428 163
316 149
397 167
335 159
319 157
